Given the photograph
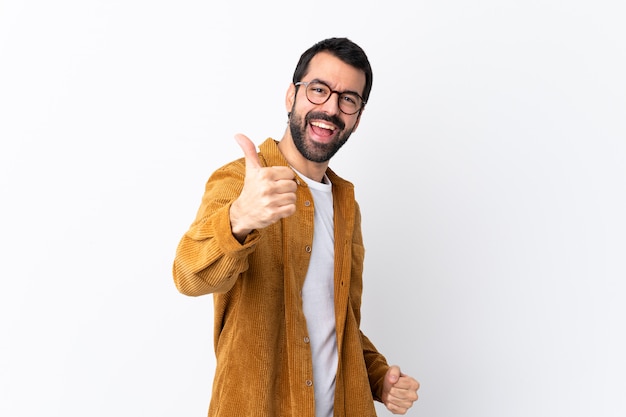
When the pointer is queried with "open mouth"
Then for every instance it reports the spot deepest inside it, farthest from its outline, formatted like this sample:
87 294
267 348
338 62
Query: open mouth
321 129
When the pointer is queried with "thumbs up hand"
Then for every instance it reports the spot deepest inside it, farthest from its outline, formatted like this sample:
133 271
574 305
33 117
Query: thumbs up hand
268 194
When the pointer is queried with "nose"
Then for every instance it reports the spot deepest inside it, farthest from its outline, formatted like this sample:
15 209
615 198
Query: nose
331 106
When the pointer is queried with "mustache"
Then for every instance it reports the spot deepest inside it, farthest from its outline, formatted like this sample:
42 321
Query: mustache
334 119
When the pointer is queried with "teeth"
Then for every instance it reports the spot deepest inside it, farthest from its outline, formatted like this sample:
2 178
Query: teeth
323 125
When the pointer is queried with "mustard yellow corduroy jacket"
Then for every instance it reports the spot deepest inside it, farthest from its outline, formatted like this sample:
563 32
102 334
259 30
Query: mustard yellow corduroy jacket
264 365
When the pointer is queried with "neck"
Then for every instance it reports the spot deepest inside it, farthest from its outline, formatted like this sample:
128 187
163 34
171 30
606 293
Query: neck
310 169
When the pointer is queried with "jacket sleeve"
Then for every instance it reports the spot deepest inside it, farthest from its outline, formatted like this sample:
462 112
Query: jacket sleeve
208 257
375 362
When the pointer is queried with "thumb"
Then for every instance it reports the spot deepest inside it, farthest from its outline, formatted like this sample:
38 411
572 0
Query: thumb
393 374
249 151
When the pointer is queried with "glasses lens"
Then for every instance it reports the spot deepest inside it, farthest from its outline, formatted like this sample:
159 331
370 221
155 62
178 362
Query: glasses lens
349 103
317 93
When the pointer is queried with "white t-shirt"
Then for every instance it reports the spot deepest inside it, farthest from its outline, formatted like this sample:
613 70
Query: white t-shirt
318 298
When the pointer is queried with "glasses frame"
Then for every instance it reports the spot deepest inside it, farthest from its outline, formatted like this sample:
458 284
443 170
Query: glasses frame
339 94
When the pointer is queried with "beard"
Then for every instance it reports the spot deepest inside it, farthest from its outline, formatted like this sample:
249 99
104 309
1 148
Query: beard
314 151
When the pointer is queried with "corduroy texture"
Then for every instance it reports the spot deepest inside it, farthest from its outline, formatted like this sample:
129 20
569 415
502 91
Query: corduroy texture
264 365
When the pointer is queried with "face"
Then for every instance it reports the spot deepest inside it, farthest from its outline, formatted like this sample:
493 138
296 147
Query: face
320 130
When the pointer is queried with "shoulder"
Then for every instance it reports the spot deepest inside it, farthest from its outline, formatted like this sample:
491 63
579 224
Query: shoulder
338 181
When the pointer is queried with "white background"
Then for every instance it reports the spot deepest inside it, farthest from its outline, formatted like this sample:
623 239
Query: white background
490 165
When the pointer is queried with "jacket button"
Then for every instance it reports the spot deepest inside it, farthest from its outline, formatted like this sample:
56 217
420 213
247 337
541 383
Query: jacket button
308 382
307 203
308 249
306 339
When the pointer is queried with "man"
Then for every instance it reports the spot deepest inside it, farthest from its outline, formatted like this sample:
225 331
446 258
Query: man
277 241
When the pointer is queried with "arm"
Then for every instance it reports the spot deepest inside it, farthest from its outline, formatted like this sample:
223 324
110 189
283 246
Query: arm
240 199
375 362
208 257
389 385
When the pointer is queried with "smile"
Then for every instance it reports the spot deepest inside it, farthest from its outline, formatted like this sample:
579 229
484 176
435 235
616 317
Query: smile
323 126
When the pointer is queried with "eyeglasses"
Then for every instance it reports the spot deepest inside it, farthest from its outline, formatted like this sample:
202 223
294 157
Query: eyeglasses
318 92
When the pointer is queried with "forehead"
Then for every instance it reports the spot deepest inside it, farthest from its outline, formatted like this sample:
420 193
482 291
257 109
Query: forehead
336 73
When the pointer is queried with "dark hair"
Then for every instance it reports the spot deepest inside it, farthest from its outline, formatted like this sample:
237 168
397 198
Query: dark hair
344 49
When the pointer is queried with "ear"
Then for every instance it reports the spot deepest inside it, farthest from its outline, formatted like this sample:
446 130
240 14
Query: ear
290 98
